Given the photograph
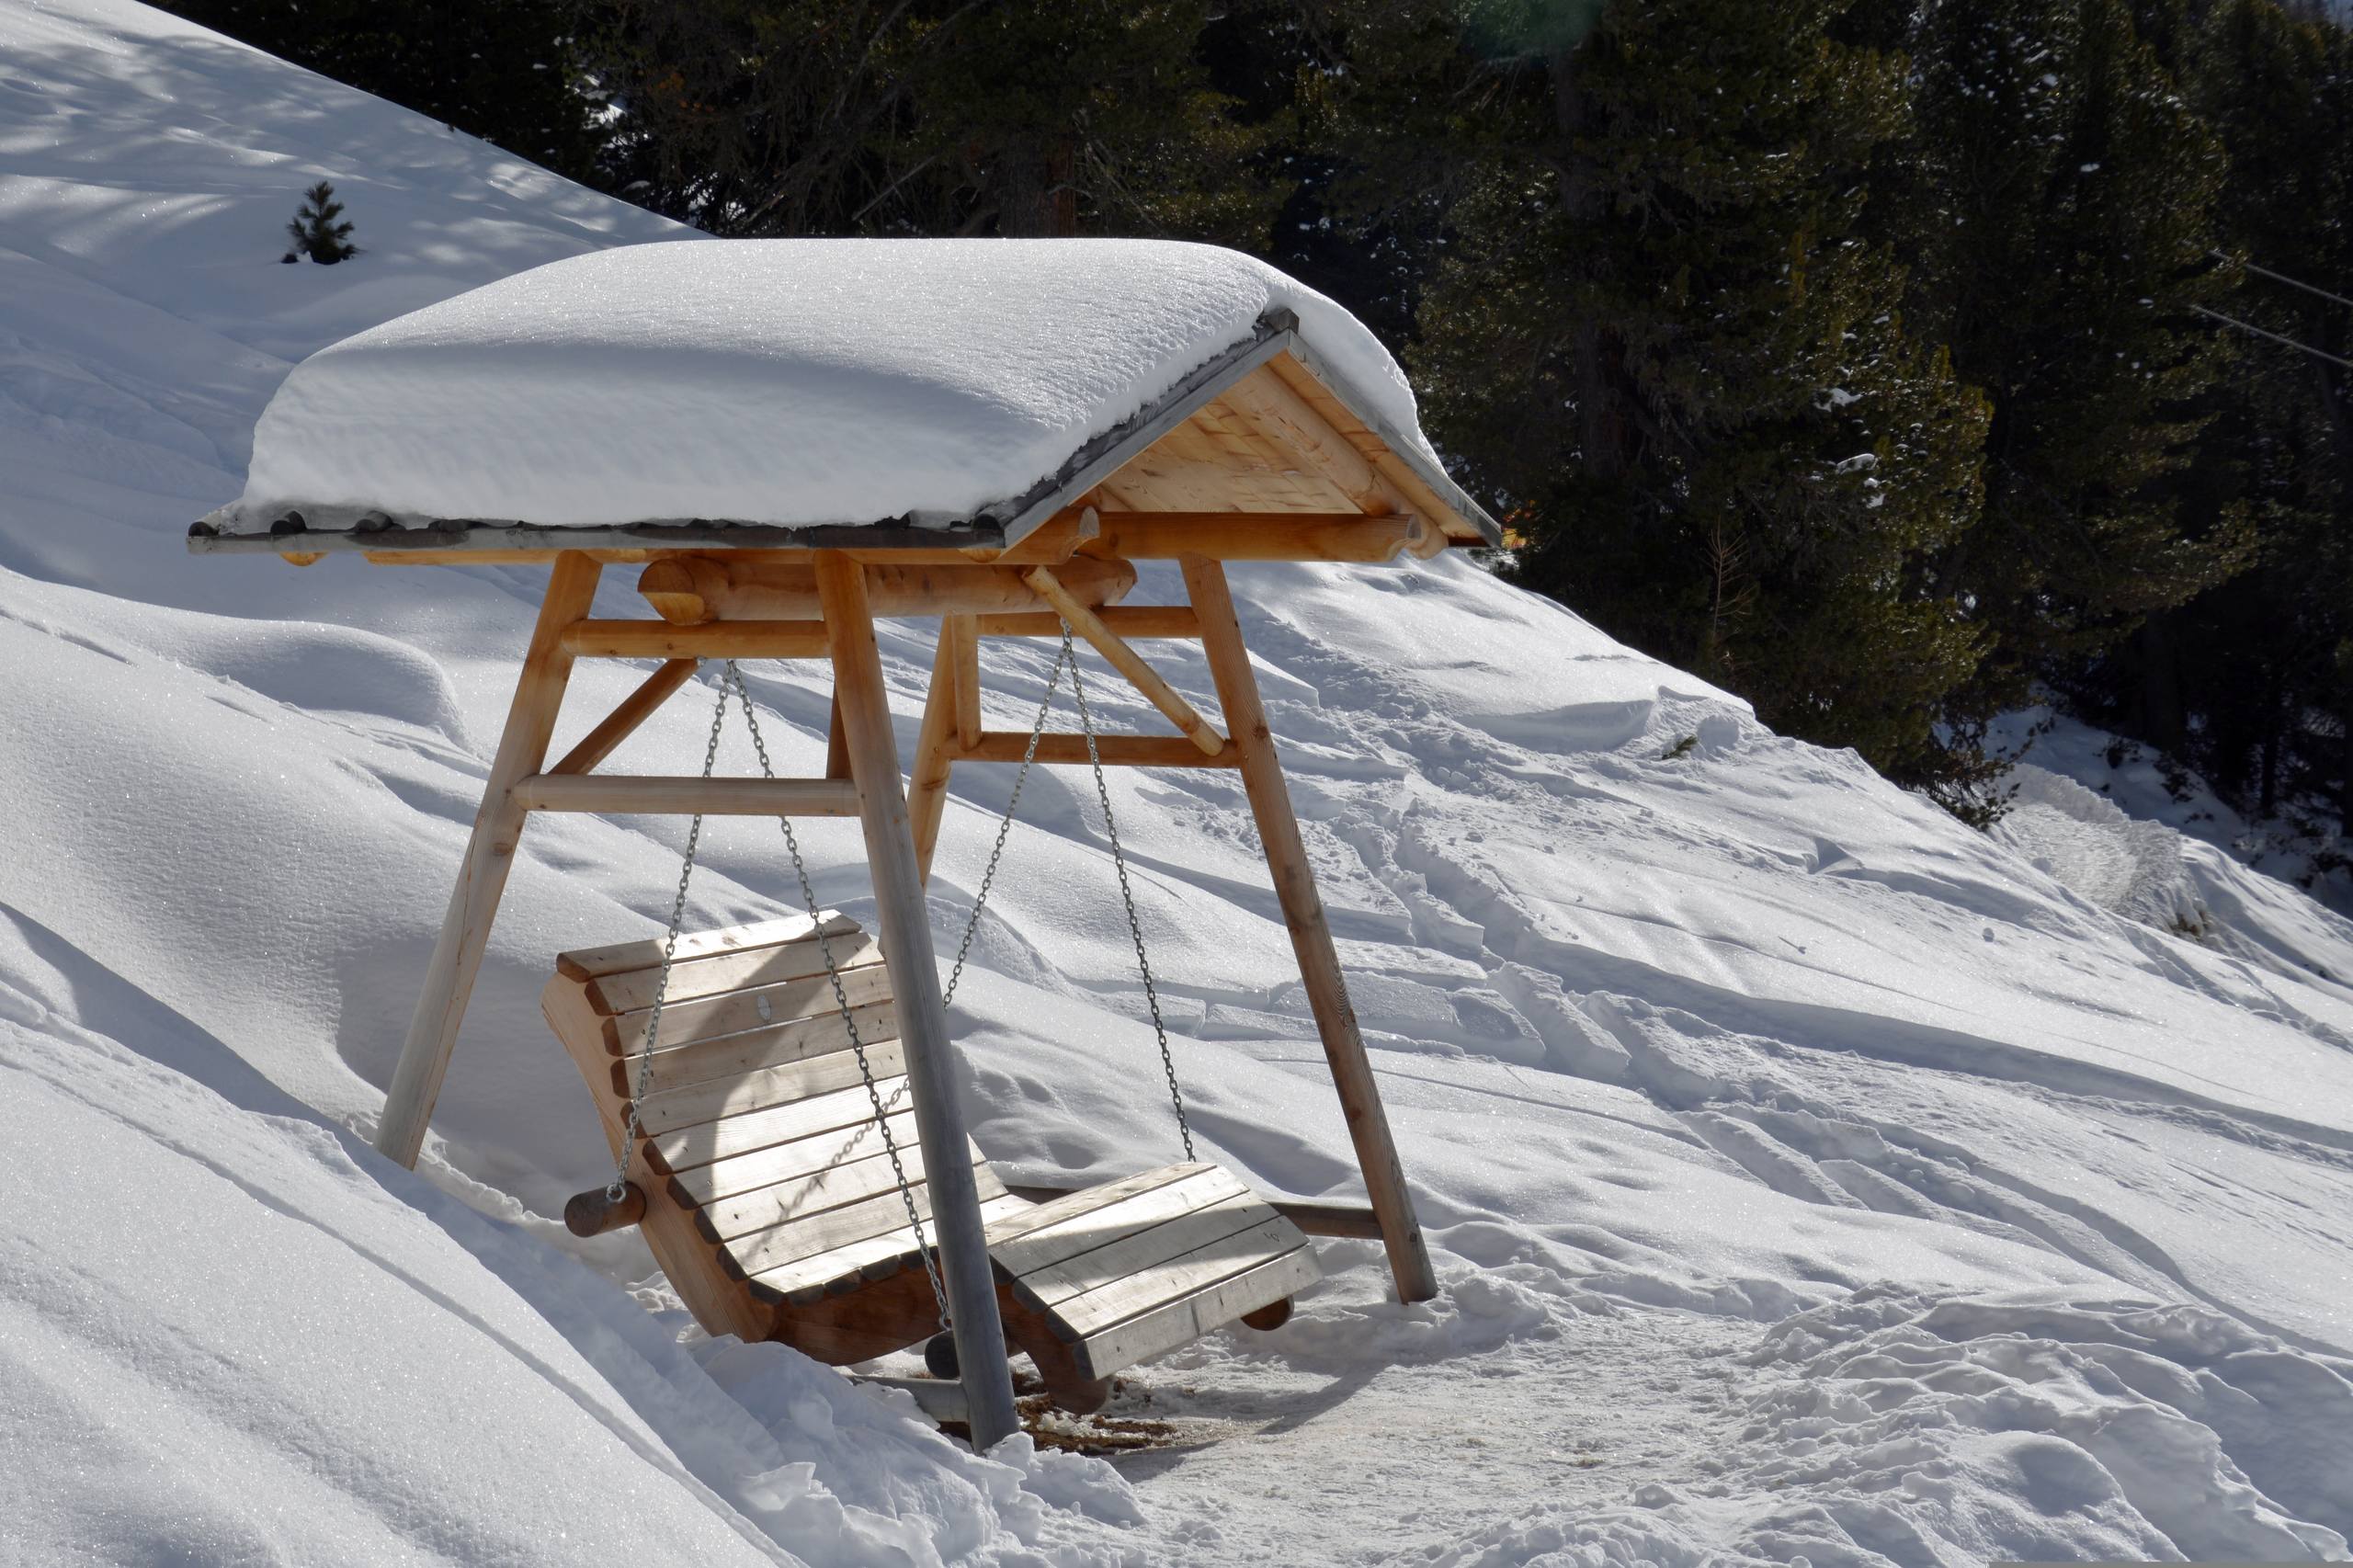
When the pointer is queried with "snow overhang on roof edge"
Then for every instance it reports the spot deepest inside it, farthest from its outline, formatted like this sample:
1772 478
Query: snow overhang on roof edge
994 526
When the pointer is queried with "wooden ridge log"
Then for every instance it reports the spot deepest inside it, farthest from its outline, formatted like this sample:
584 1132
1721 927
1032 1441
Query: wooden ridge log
692 590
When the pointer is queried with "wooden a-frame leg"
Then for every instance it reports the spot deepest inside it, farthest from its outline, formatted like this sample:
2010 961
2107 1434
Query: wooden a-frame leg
498 827
837 744
1311 936
904 925
928 787
963 630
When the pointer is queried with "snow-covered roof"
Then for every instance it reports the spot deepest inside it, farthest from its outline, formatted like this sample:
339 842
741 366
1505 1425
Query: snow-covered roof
970 386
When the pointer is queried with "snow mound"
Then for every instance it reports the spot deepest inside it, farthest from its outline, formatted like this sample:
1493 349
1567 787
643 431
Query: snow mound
2086 843
2149 787
2106 817
2017 1427
252 1338
775 381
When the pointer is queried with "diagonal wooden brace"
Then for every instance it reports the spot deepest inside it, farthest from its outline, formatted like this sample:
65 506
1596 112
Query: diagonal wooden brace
1127 661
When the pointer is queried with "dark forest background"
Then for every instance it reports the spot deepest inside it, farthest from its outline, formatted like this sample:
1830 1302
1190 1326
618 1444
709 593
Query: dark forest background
1865 355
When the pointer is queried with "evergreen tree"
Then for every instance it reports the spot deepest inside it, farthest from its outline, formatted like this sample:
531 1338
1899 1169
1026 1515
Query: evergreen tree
2061 214
784 117
319 229
2252 683
1667 352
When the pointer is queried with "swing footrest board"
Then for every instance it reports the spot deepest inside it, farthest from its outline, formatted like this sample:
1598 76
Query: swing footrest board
773 1202
1131 1269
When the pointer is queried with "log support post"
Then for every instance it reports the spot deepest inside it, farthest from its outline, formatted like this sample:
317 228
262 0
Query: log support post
904 928
964 633
1311 936
490 853
934 752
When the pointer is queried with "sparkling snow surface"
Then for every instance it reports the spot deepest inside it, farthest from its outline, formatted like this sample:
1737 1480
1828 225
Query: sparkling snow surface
1810 1177
780 382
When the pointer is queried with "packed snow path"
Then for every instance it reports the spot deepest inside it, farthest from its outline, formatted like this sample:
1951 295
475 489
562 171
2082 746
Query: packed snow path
1810 1177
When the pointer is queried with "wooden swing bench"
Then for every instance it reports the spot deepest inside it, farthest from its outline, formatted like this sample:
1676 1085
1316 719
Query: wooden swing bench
771 1198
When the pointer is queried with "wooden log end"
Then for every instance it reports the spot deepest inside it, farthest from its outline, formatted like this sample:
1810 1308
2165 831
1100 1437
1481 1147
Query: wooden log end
1269 1317
596 1211
677 589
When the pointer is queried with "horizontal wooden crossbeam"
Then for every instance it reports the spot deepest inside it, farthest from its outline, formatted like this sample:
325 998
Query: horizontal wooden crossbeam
718 639
1117 751
1127 621
685 795
691 590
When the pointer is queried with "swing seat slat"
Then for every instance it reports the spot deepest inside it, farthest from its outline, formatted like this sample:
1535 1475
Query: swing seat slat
772 1204
629 991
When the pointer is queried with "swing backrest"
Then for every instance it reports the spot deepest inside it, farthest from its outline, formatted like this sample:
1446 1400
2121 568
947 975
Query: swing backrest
755 1120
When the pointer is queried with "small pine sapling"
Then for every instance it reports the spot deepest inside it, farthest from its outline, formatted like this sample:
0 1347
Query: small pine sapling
316 230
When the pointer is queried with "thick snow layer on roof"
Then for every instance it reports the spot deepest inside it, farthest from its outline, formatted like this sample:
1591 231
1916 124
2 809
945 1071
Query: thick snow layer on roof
778 381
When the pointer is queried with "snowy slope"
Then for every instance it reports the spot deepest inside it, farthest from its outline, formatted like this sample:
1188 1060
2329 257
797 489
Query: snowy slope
1809 1174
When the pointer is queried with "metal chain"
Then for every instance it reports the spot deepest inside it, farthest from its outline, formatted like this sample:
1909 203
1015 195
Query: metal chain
1127 893
841 997
1004 825
618 1187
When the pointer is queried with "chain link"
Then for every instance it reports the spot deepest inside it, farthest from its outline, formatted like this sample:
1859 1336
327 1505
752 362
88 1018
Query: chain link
732 683
1127 893
1004 825
734 678
618 1187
